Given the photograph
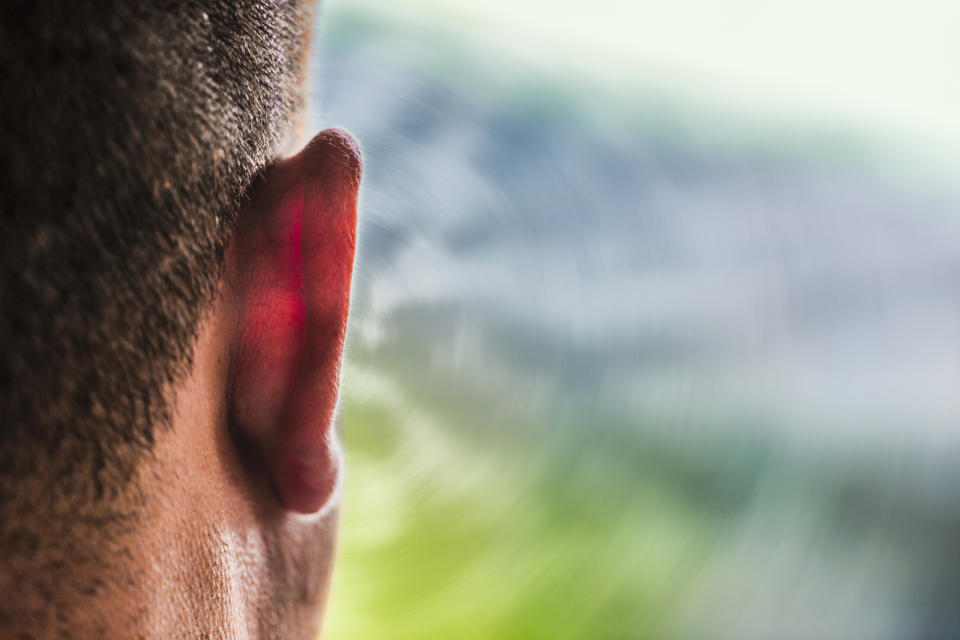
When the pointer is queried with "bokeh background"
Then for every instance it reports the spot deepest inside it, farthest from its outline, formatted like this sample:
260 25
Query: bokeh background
657 318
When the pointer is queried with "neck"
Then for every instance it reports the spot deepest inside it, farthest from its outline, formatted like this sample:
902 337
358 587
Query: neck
159 562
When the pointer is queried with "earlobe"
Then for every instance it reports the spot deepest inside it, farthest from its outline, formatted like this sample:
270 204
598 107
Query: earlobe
291 268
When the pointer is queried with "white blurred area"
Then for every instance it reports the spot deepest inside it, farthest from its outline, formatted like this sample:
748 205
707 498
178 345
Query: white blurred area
689 269
880 67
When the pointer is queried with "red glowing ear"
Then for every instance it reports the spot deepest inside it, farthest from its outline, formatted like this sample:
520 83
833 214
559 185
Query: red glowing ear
291 264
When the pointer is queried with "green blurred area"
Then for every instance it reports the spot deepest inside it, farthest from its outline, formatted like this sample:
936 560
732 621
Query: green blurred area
442 539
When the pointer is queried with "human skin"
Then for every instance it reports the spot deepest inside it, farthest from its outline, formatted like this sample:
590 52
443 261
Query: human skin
227 529
236 530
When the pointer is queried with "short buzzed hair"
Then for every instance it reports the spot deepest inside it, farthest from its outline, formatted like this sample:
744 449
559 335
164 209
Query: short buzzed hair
130 132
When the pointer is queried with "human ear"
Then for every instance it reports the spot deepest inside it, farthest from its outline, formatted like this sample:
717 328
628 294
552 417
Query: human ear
288 270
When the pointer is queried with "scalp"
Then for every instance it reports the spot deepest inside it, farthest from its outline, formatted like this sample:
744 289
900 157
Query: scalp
132 129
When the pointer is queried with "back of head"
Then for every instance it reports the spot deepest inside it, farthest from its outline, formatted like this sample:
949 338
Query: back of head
131 130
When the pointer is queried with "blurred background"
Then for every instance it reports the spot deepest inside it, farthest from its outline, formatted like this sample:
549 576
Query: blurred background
657 319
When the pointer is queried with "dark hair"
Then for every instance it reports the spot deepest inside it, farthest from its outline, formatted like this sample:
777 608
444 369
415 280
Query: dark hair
130 131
